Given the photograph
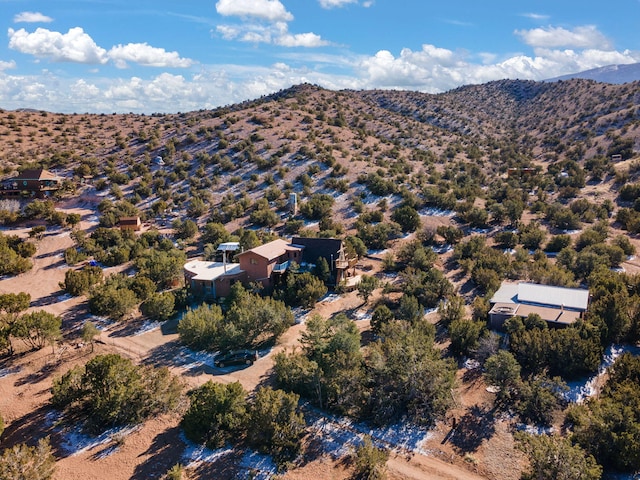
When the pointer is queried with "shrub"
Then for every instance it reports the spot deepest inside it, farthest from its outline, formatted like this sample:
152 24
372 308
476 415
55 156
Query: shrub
110 390
24 462
160 306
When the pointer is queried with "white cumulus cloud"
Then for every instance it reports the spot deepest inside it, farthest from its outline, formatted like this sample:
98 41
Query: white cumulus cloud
74 46
586 36
31 17
7 65
275 34
146 55
78 47
270 10
301 40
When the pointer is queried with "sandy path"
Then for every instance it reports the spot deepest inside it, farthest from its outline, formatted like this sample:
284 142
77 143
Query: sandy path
420 467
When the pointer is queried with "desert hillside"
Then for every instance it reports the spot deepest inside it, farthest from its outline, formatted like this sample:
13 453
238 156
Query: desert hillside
441 198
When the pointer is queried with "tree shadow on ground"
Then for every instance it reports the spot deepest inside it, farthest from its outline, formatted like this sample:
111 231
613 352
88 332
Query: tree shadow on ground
224 468
41 374
163 453
472 375
127 328
477 425
166 354
73 319
29 428
49 299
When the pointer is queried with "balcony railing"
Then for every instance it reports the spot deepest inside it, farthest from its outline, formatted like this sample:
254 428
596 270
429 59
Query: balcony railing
281 267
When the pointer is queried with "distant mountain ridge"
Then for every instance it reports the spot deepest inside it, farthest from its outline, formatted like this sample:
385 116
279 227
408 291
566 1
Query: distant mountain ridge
615 74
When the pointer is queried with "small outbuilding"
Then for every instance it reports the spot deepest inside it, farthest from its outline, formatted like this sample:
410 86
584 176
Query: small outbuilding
130 223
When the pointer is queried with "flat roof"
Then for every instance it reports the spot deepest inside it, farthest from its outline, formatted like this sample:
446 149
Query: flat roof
229 246
211 270
548 314
575 298
548 295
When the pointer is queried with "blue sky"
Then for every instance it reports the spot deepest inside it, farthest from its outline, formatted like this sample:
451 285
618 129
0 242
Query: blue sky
146 56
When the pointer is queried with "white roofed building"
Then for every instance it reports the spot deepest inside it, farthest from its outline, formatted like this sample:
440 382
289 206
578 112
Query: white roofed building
211 280
558 306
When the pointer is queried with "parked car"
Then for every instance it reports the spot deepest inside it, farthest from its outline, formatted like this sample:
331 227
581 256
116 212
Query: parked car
236 357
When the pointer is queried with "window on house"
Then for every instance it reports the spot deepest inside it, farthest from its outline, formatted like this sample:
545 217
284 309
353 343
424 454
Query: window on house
253 261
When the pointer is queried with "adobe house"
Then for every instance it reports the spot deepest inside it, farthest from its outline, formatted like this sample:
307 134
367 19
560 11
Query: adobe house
558 306
261 263
130 223
211 280
332 250
39 183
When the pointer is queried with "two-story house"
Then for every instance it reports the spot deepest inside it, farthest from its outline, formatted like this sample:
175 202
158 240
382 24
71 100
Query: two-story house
263 262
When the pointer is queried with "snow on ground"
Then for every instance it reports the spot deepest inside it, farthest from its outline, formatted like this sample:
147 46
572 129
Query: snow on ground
585 388
339 436
428 311
101 323
194 454
330 298
252 465
300 314
362 315
534 429
192 359
75 441
257 466
436 212
446 248
64 298
377 252
148 326
5 372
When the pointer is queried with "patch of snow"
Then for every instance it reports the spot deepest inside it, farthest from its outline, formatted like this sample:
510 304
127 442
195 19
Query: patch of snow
339 436
580 390
446 248
377 252
534 429
570 232
194 454
309 224
63 234
64 298
258 466
300 315
148 326
631 257
101 323
509 251
390 275
330 298
75 441
5 372
436 212
471 364
481 230
428 311
362 315
191 359
618 270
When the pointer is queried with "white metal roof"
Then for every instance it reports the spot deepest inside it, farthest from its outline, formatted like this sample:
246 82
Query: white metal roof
229 246
211 270
548 295
576 298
